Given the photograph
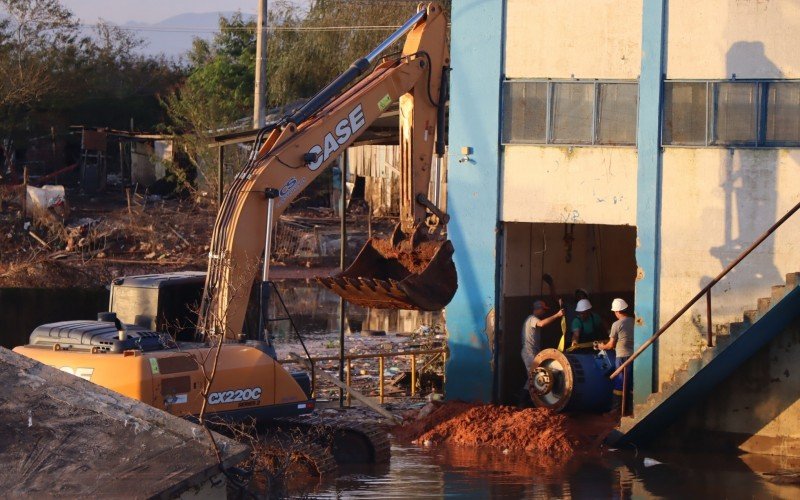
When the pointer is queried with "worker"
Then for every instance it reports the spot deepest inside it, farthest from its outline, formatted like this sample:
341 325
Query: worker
532 333
621 340
580 293
587 326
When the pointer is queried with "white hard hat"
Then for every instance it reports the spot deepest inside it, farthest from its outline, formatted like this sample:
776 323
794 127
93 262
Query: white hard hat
583 305
618 305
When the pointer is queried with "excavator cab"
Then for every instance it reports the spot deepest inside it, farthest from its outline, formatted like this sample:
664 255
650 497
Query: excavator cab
399 273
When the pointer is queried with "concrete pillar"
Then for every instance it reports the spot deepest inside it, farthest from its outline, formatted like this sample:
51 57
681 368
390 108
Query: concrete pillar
648 211
472 194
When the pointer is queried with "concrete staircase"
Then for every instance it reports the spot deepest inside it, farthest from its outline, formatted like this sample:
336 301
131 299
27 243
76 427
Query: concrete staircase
734 344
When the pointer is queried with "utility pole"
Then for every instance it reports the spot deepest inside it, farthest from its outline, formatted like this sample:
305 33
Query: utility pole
260 100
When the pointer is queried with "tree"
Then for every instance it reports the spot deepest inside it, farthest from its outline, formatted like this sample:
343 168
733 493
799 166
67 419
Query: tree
32 33
301 64
217 91
305 51
53 75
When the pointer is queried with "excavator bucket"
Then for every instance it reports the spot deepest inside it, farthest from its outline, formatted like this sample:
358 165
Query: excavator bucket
414 273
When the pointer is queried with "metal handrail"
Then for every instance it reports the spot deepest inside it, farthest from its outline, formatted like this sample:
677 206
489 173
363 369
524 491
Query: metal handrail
704 291
413 353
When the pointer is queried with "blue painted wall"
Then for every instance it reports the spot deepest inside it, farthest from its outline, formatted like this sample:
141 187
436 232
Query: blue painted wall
472 192
648 212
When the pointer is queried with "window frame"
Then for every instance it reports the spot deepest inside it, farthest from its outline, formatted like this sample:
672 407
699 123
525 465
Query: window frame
710 128
550 119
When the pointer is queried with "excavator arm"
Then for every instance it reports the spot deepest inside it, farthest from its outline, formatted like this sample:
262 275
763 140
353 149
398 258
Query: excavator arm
304 145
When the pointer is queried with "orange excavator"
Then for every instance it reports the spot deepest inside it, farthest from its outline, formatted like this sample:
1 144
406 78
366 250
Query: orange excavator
127 350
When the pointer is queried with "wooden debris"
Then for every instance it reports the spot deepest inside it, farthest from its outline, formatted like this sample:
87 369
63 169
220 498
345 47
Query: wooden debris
37 238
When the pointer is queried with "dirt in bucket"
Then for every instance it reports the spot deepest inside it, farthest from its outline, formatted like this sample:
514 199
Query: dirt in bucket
415 261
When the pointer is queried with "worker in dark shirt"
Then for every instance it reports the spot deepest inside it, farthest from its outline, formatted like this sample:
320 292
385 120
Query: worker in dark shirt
587 326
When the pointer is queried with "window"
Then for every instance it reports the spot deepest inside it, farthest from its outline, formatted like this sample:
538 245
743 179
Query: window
573 112
685 113
782 114
735 114
526 120
617 113
732 113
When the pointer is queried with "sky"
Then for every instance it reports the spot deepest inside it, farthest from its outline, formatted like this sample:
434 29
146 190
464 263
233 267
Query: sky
151 11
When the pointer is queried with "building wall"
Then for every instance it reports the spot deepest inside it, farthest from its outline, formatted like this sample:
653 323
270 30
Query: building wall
579 185
573 38
732 195
716 202
593 187
719 38
695 208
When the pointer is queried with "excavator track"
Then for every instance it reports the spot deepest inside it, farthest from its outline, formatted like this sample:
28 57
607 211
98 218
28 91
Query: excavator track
345 441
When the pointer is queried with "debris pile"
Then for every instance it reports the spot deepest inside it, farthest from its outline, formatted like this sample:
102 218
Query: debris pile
536 430
100 239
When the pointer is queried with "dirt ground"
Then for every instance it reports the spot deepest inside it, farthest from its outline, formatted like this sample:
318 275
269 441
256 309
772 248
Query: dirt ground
533 430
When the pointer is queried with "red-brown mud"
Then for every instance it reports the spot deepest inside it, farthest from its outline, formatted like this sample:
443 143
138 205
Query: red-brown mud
415 260
536 430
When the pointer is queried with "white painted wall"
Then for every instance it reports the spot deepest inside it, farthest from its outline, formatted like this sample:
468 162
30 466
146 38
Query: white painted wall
715 204
573 38
716 38
561 184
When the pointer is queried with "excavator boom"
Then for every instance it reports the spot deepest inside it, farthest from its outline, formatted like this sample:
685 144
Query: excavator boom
412 270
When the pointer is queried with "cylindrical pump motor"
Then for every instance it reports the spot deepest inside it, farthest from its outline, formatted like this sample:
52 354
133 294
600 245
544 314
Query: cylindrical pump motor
576 381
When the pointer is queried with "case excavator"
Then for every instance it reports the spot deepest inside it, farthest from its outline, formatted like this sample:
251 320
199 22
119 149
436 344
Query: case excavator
127 349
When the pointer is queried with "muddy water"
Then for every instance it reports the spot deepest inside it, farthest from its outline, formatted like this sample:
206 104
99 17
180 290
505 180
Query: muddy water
417 472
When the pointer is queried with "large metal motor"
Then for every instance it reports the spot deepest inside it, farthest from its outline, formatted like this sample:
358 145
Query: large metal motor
572 381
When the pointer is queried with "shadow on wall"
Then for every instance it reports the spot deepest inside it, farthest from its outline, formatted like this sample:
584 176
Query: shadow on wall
749 181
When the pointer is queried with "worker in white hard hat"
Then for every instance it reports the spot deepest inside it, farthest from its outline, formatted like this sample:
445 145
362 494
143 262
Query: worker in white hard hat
621 340
587 326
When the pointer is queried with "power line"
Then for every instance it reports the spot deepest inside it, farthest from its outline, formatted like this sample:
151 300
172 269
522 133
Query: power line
207 29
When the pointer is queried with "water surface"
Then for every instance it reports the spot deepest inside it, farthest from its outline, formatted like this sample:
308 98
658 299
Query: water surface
463 472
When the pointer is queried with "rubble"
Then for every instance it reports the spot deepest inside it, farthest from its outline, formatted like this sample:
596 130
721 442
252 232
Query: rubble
103 238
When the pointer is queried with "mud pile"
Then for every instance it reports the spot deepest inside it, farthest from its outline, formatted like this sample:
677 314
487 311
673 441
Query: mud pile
535 430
